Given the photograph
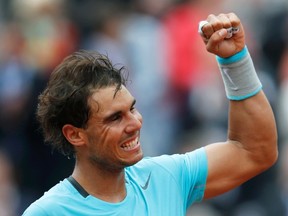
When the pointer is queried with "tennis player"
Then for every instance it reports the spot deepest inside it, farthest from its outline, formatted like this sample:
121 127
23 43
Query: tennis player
87 112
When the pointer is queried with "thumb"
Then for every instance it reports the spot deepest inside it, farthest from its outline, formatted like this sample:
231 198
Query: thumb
219 36
215 39
222 33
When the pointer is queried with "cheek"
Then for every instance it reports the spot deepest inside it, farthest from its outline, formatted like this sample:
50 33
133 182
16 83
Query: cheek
109 137
99 144
98 137
104 135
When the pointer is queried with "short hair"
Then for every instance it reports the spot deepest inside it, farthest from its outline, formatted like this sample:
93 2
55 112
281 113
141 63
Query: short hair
65 100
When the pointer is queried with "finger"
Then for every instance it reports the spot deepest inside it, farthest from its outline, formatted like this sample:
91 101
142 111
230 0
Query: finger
207 30
200 30
224 19
226 24
200 26
215 22
236 24
215 39
234 20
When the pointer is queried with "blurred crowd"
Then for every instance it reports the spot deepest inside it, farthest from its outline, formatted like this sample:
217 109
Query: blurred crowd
176 82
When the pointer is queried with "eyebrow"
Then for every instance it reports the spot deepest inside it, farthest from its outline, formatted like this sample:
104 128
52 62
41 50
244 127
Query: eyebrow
107 118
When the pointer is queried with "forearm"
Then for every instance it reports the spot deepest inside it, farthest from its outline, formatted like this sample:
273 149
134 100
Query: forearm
252 125
251 119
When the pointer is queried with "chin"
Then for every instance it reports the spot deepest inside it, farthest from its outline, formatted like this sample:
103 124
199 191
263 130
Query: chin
134 160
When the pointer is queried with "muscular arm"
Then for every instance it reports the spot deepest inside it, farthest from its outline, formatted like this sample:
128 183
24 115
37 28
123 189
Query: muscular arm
250 149
251 145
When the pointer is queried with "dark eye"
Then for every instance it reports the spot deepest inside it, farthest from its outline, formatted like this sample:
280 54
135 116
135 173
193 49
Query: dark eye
115 117
132 108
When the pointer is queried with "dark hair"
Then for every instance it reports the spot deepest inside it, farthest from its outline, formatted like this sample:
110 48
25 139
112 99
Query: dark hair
65 99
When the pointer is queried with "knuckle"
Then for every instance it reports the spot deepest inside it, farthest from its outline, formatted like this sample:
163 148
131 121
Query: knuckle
232 14
217 25
222 15
210 17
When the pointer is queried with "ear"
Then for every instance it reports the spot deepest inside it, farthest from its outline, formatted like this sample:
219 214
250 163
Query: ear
73 134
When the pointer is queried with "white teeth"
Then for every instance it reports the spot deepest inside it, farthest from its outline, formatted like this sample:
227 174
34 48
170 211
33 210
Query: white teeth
130 145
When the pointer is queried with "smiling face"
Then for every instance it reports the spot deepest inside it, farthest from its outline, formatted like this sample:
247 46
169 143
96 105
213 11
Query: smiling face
113 130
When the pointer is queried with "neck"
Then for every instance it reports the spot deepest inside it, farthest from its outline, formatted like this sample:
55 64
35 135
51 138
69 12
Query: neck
105 184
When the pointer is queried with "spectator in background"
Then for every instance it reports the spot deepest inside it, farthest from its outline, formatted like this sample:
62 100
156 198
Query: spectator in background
9 194
15 90
144 41
36 39
191 71
105 35
48 32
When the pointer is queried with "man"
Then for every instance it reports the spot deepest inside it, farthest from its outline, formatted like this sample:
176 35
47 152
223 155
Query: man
87 111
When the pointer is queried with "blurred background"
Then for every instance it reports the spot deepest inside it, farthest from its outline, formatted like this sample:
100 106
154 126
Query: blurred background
180 93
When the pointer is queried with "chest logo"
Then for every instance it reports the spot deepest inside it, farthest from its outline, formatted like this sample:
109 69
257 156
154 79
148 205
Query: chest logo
145 186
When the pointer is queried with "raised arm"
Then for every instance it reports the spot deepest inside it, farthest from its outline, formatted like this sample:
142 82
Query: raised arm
251 145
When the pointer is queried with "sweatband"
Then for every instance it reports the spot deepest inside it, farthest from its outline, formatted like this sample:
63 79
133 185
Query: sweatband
239 75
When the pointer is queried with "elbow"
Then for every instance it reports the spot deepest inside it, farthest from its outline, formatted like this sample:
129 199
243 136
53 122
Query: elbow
273 150
273 157
270 145
269 155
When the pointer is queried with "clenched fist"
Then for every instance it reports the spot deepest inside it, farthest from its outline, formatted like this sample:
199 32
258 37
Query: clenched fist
223 35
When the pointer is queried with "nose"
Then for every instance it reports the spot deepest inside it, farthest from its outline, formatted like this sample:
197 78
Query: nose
134 122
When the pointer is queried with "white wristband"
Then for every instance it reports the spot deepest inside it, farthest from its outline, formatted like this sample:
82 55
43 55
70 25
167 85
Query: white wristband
239 76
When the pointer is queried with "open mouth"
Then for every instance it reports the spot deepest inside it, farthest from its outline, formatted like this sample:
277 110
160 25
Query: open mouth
130 145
